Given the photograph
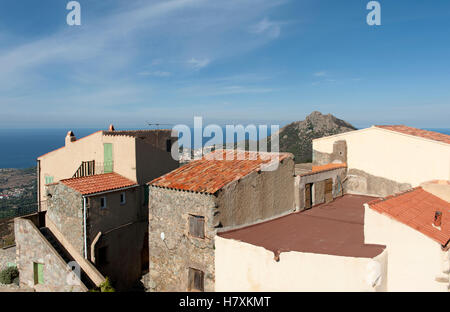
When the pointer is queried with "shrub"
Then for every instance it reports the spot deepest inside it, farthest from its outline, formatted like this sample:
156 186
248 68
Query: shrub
104 287
8 275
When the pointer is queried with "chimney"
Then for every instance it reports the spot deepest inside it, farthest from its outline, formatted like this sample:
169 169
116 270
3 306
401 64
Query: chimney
111 128
70 137
437 219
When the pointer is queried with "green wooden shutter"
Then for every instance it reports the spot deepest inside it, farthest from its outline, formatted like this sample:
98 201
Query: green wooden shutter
108 157
38 273
48 180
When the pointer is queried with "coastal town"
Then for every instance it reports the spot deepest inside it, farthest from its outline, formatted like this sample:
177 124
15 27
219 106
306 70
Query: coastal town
115 207
224 155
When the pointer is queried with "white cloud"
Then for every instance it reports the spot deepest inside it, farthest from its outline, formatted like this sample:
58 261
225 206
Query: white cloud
267 27
320 74
157 73
199 63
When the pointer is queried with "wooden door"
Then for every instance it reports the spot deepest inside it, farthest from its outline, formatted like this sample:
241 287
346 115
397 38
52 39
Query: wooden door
308 195
328 190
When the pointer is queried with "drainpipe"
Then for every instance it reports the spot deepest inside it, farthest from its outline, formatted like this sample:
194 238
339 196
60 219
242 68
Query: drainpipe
85 228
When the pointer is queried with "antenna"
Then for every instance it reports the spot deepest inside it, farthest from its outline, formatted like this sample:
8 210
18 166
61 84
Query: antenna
157 124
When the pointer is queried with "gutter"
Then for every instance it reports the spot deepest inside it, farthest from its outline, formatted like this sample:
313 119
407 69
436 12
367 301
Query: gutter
111 191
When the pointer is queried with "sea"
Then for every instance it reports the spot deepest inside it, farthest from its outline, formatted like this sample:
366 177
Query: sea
19 148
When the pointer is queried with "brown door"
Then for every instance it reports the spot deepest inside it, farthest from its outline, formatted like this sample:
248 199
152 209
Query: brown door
328 190
308 195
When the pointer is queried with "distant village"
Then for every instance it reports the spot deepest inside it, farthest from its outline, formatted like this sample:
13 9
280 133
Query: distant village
371 213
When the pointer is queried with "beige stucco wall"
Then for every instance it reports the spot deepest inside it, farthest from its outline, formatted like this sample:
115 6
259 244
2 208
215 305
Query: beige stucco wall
392 155
63 163
416 261
243 267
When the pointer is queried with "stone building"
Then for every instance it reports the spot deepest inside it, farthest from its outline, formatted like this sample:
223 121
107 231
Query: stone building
188 206
320 185
94 204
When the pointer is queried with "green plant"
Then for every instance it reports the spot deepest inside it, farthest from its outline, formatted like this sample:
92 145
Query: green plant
104 287
8 275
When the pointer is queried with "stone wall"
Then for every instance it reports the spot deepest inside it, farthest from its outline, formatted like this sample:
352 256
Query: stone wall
257 196
318 180
360 182
7 257
65 210
339 154
171 258
32 248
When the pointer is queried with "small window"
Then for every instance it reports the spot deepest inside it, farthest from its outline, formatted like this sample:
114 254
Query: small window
38 270
168 145
103 202
123 198
196 280
197 226
48 180
102 257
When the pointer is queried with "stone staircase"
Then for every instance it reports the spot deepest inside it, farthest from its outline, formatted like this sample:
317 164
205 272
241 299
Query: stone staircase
65 255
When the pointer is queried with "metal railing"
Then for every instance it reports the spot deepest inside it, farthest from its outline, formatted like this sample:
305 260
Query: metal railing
88 168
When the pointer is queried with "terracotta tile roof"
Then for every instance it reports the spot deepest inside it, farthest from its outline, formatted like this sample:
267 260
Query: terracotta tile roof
431 135
323 168
98 183
210 174
416 208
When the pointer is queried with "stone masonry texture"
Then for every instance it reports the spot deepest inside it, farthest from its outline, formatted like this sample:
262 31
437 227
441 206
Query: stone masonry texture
32 248
65 210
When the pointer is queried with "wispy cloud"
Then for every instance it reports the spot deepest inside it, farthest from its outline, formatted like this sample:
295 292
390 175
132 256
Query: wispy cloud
157 73
270 28
86 67
320 74
199 63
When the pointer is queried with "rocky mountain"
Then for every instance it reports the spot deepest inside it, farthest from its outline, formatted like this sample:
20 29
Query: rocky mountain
296 137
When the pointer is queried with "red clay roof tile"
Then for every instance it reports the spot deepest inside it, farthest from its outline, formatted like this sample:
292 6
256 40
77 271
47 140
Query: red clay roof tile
215 170
416 208
323 168
431 135
98 183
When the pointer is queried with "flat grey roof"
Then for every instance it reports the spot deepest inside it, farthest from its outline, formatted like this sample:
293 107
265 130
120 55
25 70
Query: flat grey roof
336 228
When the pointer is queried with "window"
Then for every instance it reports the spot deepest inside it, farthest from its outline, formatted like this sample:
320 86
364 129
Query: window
168 145
123 198
197 226
102 255
195 280
38 270
48 180
103 202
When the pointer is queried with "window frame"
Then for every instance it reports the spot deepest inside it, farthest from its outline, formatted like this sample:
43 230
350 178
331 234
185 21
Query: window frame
124 201
195 275
103 202
193 227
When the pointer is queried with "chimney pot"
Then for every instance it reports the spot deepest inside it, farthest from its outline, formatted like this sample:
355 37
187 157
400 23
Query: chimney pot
70 137
437 218
111 128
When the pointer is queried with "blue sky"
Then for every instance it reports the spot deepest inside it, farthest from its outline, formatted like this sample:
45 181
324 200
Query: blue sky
233 61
